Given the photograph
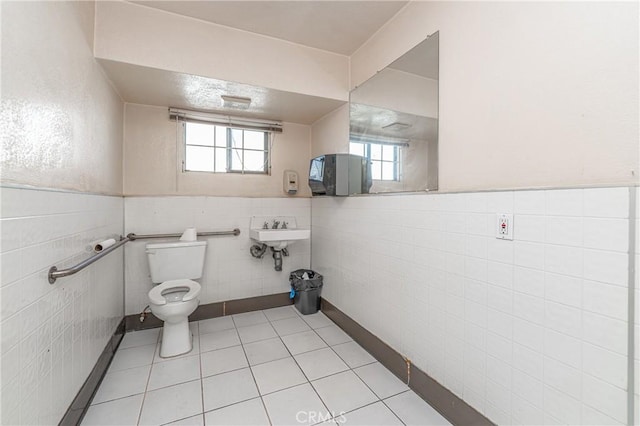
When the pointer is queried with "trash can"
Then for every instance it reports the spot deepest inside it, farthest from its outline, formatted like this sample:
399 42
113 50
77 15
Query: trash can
306 286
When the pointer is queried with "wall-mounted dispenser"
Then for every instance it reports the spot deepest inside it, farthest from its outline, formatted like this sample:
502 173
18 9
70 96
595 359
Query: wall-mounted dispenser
290 182
339 174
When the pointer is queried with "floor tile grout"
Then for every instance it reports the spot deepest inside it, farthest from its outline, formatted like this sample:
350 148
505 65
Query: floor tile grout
305 375
201 378
255 382
144 395
349 369
250 366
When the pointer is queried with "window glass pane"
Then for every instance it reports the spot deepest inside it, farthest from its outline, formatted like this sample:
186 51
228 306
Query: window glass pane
253 140
199 159
236 159
376 172
356 148
376 152
199 134
254 161
221 136
221 160
388 153
388 171
224 149
236 138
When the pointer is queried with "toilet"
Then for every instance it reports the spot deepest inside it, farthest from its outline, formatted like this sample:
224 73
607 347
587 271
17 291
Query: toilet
174 295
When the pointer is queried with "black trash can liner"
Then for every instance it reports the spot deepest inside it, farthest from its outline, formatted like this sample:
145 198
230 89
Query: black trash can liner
306 293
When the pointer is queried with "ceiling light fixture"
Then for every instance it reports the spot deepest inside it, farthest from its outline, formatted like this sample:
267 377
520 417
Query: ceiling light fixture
235 101
397 126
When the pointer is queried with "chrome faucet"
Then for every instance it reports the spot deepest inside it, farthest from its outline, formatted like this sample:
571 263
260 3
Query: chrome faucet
265 225
275 224
284 225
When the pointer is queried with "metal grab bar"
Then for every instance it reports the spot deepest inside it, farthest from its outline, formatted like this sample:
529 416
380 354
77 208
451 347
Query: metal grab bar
54 274
133 237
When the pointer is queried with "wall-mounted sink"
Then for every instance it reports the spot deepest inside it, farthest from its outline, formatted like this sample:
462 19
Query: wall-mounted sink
279 238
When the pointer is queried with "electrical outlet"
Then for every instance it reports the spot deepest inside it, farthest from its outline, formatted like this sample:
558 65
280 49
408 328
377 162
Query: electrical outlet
504 226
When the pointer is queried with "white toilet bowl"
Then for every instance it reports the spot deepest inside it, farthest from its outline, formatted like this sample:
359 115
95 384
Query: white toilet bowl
172 302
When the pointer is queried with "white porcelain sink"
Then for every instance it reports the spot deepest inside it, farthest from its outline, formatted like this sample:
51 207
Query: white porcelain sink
279 238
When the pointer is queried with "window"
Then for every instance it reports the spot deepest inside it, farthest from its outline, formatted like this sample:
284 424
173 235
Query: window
384 158
221 149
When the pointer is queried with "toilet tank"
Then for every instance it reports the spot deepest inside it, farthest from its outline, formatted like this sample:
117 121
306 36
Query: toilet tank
177 260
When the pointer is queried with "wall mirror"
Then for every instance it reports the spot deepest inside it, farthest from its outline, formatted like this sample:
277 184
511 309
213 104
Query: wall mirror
394 121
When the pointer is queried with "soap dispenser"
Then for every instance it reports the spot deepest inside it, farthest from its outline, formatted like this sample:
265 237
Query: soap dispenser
290 182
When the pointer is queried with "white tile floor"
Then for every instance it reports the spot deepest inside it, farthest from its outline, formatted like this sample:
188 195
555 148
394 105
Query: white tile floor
258 368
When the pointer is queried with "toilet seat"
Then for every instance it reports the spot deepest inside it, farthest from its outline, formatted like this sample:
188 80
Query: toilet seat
191 289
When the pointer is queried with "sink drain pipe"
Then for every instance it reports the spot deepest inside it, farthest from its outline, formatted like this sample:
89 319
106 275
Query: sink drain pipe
258 250
277 258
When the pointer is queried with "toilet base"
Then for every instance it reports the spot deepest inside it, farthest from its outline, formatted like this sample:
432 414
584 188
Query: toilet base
176 339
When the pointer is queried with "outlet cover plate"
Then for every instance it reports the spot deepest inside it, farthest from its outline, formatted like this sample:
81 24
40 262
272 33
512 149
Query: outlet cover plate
504 226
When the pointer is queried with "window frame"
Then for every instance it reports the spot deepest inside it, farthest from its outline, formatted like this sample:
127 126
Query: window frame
228 147
395 161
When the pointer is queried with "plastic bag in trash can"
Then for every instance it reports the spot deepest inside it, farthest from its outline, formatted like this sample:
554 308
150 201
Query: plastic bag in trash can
305 279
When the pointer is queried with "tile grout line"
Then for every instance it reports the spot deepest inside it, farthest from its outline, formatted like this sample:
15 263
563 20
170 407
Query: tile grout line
201 378
349 368
300 368
255 382
339 372
144 395
250 366
352 369
631 308
390 409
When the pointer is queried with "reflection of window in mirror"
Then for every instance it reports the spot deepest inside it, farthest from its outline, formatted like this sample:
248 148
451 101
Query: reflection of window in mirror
384 159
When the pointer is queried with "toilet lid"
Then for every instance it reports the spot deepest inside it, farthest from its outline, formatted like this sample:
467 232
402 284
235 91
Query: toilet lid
192 289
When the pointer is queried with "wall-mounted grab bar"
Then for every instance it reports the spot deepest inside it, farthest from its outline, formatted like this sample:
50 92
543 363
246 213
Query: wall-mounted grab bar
54 273
134 237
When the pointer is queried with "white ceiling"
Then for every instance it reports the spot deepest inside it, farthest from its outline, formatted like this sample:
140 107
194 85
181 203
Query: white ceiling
150 86
336 26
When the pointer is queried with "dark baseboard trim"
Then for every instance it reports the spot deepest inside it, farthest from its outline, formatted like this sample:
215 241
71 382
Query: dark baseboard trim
81 402
442 399
372 344
258 303
214 310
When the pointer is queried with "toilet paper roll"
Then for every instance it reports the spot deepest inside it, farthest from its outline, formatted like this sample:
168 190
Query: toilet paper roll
103 245
189 234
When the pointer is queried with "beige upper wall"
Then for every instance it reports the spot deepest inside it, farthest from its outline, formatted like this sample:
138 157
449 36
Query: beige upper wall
151 161
135 34
531 94
62 120
330 134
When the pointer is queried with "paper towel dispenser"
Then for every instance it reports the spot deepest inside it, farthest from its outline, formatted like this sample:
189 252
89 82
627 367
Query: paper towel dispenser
339 174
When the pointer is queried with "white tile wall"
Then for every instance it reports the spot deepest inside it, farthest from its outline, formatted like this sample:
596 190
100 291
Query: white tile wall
230 271
528 331
52 335
637 312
